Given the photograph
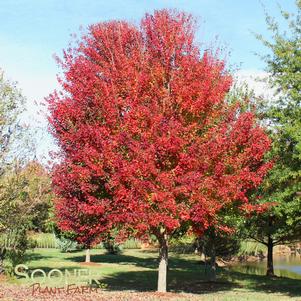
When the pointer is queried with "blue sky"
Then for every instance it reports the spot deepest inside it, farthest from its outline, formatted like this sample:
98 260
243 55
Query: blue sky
32 31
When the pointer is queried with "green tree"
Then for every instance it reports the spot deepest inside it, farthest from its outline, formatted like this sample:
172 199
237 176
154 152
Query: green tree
23 190
38 192
11 107
281 223
24 184
223 238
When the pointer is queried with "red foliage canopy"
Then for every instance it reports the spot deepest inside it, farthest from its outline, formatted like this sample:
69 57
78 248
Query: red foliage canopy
146 136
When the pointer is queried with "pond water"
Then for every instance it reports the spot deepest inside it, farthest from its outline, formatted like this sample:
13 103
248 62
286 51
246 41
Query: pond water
284 266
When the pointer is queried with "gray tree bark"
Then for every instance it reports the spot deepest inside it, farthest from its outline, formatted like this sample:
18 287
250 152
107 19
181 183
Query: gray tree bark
88 256
163 264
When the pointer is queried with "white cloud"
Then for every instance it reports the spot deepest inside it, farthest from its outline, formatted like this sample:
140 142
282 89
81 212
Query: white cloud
256 81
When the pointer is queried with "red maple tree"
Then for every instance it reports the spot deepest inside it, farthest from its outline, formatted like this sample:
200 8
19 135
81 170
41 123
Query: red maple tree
147 139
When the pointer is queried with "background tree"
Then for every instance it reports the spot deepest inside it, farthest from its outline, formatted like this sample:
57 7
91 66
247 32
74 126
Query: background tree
222 239
66 240
282 222
147 139
24 184
39 192
11 107
22 191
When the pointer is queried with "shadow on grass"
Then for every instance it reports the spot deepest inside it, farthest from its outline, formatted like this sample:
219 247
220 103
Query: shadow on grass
35 256
118 259
146 262
191 282
178 281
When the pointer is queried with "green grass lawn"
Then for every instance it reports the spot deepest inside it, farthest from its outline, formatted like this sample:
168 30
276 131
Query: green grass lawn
135 270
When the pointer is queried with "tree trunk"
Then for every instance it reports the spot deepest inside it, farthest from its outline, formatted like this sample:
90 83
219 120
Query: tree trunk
212 274
163 263
88 257
270 265
2 256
